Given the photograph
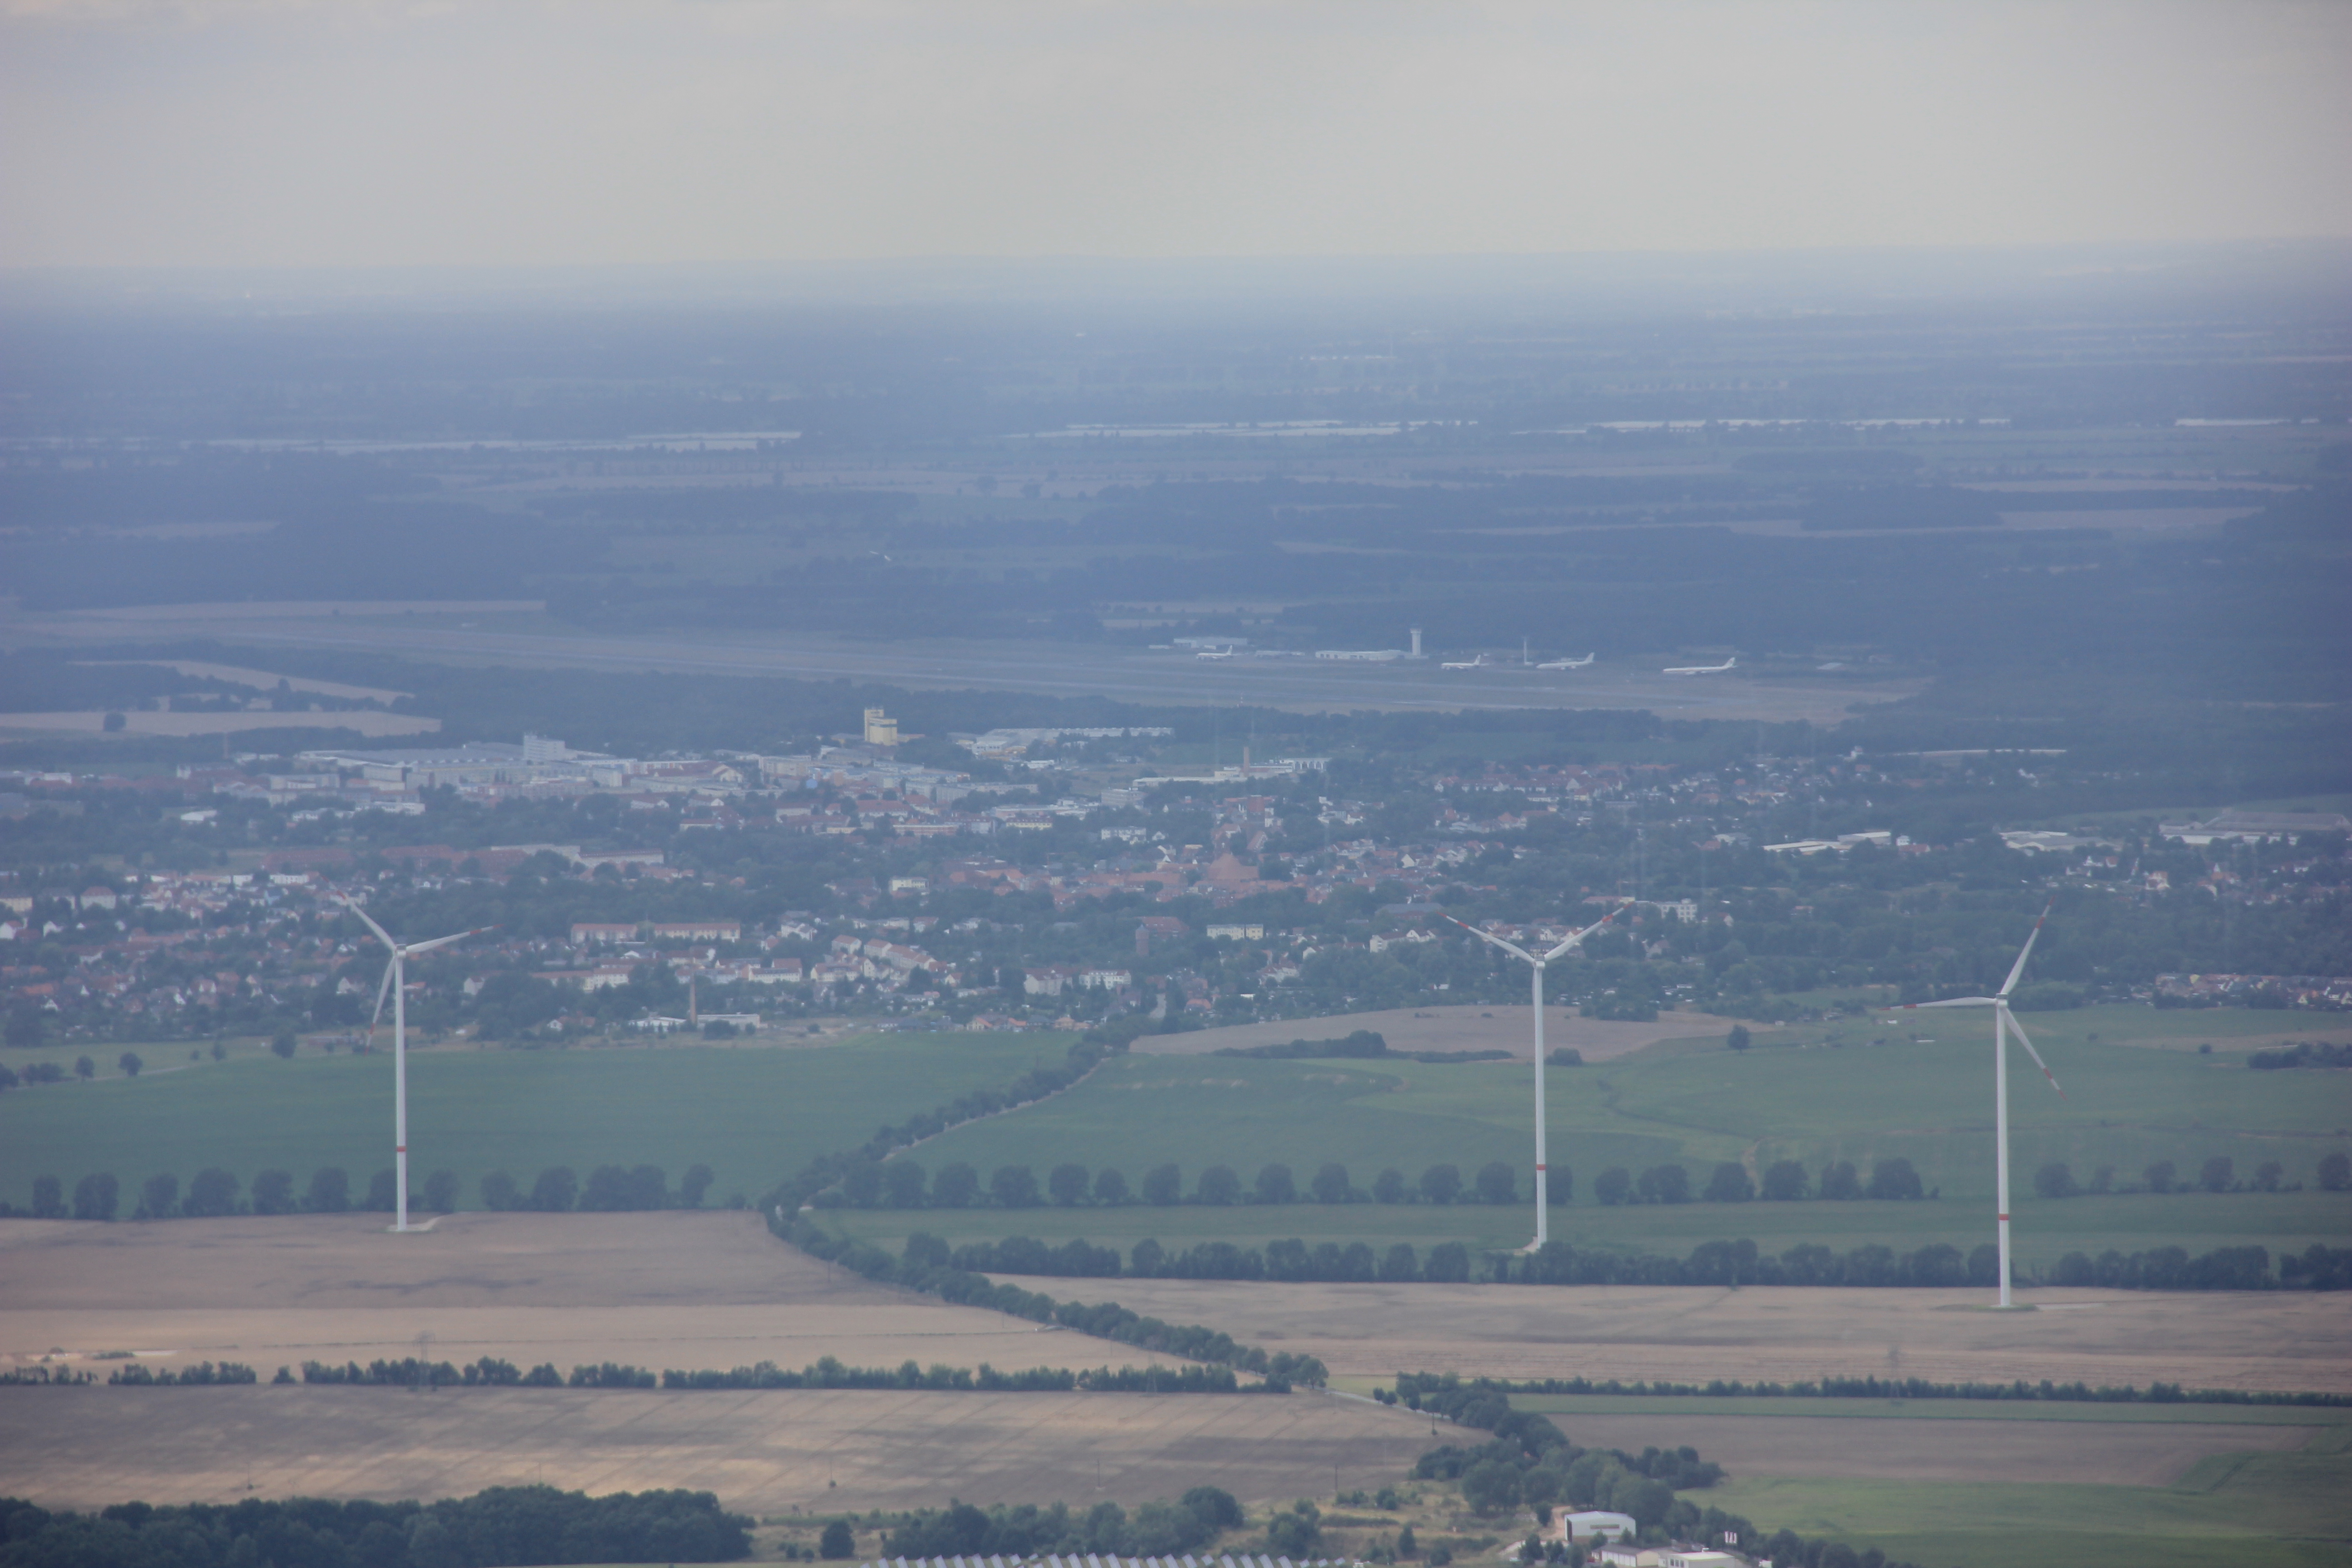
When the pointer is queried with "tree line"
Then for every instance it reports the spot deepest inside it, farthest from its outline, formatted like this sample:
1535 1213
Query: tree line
1155 1528
1884 1388
905 1184
1527 1462
1740 1262
825 1373
504 1525
2218 1174
1785 1181
925 1265
2303 1053
214 1192
203 1375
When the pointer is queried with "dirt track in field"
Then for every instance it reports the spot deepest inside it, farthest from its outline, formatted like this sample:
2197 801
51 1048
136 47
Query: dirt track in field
2284 1340
662 1291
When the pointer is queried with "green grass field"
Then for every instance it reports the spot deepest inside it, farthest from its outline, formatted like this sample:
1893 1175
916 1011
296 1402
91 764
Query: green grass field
2272 1509
2249 1511
757 1113
2286 1509
752 1114
2129 1106
2044 1232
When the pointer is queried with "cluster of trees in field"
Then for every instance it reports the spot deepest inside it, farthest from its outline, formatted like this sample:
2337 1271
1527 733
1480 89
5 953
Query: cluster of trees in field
2218 1174
1155 1528
214 1192
505 1525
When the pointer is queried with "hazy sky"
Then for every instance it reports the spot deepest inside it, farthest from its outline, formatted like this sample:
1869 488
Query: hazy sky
352 131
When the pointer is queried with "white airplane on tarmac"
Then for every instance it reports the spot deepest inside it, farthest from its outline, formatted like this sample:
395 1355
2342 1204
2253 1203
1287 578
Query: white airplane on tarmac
1568 663
1704 668
1218 652
1479 663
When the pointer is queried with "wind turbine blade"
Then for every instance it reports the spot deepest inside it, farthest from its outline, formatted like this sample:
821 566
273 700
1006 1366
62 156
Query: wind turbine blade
1490 937
1953 1002
1578 938
2025 953
2009 1024
381 992
371 924
416 948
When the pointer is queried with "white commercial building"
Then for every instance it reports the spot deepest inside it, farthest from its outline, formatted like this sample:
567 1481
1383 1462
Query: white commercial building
1598 1524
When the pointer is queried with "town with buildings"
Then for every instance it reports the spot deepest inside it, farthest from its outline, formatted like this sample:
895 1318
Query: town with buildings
733 891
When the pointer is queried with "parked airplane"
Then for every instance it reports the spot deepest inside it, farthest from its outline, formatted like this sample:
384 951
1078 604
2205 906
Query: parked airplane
1479 663
1705 668
1218 652
1568 663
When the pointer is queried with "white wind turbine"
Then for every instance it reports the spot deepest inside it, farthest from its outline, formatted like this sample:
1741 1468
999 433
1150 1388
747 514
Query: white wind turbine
1543 1178
2004 1023
394 975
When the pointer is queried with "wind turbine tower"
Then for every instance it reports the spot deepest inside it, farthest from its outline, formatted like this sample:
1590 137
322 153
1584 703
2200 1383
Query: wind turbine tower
394 981
2004 1023
1536 966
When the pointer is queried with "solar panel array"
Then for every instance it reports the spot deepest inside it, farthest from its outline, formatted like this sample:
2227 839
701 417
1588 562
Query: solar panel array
1090 1559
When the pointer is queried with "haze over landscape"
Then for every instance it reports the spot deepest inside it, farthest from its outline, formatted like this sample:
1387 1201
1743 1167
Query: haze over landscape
781 781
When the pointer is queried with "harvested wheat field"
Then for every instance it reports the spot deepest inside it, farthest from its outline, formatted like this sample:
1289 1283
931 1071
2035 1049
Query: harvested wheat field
2281 1340
766 1453
660 1291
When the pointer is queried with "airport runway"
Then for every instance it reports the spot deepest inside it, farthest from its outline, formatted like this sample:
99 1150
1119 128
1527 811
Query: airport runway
1057 669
